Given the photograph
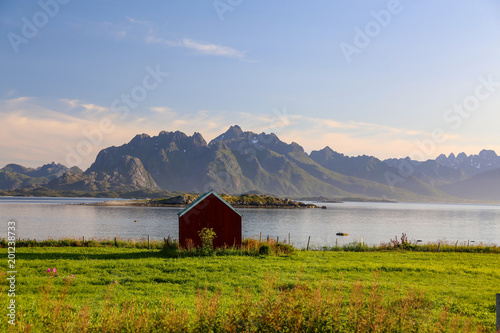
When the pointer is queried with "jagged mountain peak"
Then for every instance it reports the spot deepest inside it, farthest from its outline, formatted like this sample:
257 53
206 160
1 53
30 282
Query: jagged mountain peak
328 150
199 139
239 161
462 156
141 136
235 129
326 154
487 154
233 132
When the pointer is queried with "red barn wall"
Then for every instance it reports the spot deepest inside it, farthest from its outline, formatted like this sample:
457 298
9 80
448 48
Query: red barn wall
211 213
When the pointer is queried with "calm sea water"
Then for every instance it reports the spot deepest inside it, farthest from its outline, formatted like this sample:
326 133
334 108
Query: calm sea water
42 218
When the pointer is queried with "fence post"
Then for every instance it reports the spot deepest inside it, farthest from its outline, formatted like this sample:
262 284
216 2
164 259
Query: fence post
268 238
439 246
307 249
498 312
116 244
288 238
260 237
148 242
83 239
278 240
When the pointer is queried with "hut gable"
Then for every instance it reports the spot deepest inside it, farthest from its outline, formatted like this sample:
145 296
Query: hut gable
211 211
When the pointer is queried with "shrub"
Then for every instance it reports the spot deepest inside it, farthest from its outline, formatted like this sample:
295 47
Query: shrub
265 250
284 248
207 236
404 243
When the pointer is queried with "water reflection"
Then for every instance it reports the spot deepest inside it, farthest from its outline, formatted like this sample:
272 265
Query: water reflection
374 222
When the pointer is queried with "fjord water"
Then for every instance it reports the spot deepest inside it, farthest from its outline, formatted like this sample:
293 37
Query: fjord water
42 218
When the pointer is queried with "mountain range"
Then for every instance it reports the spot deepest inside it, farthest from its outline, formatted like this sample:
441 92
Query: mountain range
237 162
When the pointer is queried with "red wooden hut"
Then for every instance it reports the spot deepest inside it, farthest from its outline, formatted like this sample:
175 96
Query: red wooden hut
210 211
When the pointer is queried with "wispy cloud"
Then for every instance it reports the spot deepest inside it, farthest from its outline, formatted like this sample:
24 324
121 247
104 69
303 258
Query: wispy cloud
163 110
86 107
137 27
212 49
140 22
203 48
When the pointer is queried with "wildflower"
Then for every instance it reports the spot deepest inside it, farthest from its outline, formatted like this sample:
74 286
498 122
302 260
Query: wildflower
54 270
116 282
48 270
72 276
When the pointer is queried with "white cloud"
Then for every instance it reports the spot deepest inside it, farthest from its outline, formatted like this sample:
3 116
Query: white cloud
163 110
212 49
199 47
136 21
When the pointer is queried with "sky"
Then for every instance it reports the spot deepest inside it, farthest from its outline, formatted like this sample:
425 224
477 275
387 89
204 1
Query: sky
381 78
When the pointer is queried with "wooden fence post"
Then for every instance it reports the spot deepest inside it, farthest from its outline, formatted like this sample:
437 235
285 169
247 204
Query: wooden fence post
268 238
148 242
439 247
83 239
498 312
278 240
260 237
288 238
307 249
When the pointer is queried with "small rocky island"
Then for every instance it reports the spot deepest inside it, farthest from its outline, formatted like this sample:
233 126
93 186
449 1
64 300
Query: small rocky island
241 201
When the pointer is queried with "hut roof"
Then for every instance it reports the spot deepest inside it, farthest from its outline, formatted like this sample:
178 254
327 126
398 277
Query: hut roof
200 198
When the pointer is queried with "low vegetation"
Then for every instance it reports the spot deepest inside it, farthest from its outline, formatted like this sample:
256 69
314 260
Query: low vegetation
251 246
329 306
262 286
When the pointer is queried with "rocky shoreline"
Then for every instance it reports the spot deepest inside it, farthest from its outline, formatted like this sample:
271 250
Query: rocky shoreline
242 201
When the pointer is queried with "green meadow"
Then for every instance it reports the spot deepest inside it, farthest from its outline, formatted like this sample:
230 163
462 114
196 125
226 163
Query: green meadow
119 289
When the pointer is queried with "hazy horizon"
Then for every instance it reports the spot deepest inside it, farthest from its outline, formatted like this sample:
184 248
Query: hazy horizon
85 166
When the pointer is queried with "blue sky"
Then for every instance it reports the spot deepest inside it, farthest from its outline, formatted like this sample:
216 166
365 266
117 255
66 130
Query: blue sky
383 78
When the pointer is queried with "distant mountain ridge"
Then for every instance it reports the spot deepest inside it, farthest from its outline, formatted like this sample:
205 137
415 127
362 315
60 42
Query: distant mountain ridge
15 176
472 165
240 161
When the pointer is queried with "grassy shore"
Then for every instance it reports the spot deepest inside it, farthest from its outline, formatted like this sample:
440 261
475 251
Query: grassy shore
127 289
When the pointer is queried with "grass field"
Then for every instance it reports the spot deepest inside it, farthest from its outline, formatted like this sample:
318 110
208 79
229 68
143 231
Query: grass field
464 283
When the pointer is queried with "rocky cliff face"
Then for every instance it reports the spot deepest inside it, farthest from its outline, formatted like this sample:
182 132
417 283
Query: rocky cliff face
234 162
240 161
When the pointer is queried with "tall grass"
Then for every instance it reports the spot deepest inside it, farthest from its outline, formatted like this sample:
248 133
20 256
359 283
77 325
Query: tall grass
251 246
170 247
141 243
404 244
330 306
